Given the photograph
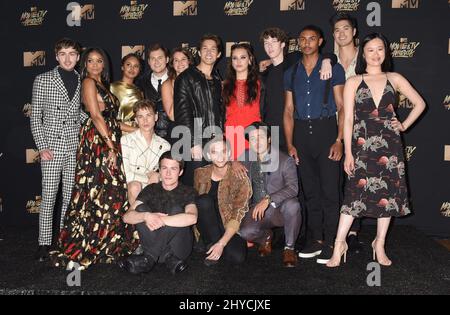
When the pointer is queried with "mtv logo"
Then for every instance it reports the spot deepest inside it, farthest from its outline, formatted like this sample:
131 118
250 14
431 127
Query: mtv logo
292 5
34 58
32 156
137 49
192 49
293 45
404 102
229 45
447 153
27 110
88 12
402 4
184 8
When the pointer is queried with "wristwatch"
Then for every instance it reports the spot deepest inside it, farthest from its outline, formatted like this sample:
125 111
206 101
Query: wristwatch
272 203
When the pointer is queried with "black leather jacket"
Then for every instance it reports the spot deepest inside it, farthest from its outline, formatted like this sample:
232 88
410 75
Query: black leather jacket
195 98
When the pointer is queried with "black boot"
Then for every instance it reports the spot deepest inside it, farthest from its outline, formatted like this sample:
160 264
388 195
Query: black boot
137 264
42 253
175 264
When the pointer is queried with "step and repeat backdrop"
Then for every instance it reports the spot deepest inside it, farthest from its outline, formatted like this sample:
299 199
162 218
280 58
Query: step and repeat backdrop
418 30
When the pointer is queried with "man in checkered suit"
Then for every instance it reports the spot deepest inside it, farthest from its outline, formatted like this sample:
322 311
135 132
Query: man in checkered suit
55 125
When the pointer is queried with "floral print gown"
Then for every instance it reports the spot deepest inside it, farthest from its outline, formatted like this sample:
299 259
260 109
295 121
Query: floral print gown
378 188
93 228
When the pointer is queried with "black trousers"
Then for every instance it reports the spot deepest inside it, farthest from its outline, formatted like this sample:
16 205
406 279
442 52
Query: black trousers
320 176
177 241
210 226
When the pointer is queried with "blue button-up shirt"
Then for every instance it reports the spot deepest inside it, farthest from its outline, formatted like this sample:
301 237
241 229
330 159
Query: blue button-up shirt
309 91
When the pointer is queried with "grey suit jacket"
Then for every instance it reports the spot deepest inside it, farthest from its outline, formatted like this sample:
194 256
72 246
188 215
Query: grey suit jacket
281 180
55 120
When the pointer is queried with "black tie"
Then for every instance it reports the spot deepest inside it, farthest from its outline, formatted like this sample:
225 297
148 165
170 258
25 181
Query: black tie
159 86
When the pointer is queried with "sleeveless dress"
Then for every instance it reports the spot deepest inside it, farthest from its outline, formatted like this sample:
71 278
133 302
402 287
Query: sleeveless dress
93 229
128 95
378 188
240 115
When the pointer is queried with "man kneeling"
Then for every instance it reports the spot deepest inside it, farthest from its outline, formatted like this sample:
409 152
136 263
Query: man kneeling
274 202
222 203
163 214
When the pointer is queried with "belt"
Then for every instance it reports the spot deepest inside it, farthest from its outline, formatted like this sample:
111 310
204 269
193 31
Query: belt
308 120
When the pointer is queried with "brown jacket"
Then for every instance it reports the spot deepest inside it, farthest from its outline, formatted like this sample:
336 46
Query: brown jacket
233 194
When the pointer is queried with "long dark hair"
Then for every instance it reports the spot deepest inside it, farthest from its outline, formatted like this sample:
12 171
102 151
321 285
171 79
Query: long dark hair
361 64
252 77
105 76
184 51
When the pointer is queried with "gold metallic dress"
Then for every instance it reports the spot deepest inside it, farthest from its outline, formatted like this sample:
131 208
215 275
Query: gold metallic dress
127 95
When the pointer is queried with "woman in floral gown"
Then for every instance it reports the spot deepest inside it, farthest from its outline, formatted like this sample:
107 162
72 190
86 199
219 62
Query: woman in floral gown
374 159
93 228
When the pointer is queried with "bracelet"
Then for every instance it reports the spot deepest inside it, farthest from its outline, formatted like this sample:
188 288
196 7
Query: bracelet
340 140
106 138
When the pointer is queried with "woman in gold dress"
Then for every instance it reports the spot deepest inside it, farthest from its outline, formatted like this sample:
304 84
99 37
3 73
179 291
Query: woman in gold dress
126 91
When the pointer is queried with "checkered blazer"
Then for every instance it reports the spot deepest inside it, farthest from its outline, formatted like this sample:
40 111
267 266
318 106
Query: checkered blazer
55 120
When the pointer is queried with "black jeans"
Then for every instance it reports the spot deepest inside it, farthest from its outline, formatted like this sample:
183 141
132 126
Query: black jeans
320 176
177 241
210 226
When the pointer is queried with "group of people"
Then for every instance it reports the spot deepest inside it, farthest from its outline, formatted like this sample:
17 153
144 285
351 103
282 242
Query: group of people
159 162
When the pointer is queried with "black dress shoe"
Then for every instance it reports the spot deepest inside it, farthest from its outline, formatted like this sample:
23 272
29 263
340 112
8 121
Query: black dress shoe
354 246
42 253
137 264
175 264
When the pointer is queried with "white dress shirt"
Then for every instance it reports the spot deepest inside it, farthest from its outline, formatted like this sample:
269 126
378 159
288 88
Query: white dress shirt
154 79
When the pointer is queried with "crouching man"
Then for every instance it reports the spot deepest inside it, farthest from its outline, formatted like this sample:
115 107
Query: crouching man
274 202
163 214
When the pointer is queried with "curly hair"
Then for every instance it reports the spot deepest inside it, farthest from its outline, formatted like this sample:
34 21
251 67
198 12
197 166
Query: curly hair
252 77
274 32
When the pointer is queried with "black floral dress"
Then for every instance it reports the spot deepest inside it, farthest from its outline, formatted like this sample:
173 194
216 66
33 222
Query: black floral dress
378 188
93 229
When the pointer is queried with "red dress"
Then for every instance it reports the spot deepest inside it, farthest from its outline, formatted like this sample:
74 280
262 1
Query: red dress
239 115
